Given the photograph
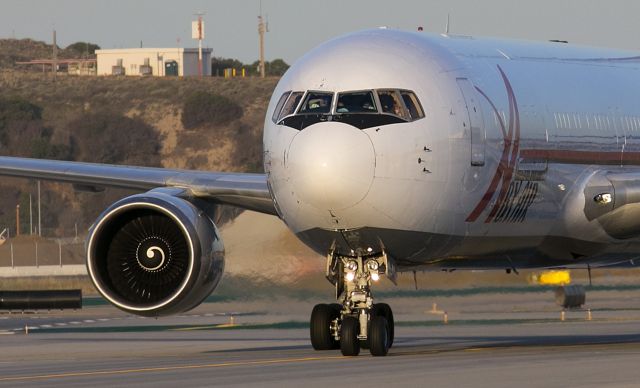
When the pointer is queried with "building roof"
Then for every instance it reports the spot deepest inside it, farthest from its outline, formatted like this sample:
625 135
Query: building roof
52 61
152 50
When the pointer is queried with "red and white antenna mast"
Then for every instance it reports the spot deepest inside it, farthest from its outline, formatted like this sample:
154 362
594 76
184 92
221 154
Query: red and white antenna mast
197 32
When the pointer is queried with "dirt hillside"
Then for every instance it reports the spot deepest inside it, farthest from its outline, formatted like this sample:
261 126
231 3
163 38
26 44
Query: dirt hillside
129 121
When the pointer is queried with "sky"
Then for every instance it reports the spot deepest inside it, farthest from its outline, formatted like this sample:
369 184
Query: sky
296 26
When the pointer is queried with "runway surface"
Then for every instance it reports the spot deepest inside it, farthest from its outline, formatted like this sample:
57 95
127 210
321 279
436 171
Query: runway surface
481 346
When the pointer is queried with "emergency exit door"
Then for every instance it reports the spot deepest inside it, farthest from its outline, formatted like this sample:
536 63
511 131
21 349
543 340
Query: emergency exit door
474 121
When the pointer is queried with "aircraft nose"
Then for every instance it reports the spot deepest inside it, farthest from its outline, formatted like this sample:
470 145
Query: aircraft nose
331 165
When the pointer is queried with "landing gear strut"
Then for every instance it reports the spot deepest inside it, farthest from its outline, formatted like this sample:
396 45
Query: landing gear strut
356 322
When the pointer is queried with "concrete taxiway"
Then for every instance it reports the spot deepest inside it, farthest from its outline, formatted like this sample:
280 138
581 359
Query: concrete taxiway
480 346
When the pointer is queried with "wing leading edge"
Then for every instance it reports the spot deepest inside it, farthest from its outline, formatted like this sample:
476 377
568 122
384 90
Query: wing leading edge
248 191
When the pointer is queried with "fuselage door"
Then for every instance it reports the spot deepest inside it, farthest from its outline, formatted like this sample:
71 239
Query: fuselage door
474 121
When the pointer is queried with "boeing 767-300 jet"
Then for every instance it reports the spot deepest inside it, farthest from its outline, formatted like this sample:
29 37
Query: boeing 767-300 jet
390 151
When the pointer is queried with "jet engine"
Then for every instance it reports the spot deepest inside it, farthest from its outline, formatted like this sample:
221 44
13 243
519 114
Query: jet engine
155 254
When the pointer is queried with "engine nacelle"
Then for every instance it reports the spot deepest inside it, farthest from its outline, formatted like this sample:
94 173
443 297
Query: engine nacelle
155 254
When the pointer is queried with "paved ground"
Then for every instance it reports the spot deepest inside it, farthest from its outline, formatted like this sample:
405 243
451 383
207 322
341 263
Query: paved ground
496 344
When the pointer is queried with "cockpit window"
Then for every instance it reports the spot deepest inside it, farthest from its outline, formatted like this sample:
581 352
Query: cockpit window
391 103
290 105
317 103
359 108
356 102
412 104
281 101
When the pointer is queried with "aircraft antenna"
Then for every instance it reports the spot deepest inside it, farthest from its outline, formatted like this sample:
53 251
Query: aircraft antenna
446 29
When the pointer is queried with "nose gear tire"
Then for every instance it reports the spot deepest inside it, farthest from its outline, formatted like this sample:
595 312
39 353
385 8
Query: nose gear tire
384 310
378 336
320 326
349 342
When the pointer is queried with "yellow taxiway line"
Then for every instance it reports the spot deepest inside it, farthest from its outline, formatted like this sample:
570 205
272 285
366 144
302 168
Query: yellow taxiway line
169 368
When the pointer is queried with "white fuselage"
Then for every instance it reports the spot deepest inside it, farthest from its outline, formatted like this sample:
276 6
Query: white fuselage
493 175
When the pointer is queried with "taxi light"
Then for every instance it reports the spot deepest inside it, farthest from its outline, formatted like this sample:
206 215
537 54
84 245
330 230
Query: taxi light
375 277
350 276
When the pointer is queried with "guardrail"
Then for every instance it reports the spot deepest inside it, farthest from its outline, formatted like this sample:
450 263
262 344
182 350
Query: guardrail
41 300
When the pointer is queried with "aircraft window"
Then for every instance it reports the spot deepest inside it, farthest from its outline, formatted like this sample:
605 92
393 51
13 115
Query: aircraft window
291 105
412 104
391 103
281 101
356 102
317 102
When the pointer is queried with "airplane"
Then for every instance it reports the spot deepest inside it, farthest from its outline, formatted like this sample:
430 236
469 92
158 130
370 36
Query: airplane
391 151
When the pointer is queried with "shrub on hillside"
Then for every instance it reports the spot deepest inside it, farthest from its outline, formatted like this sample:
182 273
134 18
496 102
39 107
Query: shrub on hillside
247 147
22 132
276 68
12 109
16 113
83 48
218 65
108 137
202 108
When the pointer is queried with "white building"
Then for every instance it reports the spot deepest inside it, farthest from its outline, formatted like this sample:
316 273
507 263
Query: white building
153 61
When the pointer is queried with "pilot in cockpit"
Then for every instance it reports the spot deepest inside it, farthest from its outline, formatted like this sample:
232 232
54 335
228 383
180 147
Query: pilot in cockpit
390 104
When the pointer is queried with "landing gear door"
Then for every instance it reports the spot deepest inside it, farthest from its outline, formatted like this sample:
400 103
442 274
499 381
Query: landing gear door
474 121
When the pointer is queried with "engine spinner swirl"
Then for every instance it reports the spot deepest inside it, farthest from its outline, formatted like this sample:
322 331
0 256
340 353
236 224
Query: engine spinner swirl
153 254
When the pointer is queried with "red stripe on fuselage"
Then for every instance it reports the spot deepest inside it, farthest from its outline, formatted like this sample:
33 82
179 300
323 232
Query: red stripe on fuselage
513 143
502 166
583 157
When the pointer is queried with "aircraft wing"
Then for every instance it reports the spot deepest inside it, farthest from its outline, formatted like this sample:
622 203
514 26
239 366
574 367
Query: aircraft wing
248 191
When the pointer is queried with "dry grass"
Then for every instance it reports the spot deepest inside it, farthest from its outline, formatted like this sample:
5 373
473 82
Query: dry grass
50 283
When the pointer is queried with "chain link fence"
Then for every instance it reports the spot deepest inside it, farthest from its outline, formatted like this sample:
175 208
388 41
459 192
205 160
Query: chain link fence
31 251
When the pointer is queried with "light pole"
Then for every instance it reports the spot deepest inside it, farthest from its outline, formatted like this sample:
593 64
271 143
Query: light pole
39 214
18 220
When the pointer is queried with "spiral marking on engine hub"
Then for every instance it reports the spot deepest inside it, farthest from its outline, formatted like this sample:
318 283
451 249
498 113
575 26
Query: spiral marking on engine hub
150 254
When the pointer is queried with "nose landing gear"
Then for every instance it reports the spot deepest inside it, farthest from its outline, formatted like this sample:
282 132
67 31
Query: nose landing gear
357 322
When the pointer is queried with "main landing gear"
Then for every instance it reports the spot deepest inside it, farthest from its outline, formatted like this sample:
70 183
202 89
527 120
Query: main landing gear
356 322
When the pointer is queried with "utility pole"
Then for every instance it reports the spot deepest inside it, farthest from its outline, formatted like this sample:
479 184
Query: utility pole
55 56
262 29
